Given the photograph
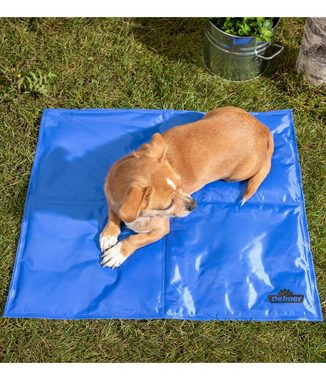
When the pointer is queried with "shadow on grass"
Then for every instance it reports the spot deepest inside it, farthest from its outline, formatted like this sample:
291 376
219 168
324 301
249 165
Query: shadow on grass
178 39
283 75
284 63
181 40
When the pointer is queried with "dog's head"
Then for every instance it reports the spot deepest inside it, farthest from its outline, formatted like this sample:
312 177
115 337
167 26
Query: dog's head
156 188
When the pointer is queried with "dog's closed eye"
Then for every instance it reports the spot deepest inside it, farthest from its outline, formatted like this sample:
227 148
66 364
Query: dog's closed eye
167 207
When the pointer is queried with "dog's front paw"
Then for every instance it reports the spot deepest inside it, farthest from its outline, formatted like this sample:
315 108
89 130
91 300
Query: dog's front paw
107 242
114 256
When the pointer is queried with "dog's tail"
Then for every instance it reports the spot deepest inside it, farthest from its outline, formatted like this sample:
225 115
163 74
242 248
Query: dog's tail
255 181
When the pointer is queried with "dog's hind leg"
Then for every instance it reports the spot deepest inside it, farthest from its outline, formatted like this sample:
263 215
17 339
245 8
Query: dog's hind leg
255 181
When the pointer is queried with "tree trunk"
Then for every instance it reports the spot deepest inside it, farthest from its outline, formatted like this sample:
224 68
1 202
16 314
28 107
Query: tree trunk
312 55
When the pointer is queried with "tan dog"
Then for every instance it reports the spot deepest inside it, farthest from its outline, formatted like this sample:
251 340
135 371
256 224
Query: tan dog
148 186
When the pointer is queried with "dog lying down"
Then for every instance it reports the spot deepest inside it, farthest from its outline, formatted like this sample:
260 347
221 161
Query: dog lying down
147 187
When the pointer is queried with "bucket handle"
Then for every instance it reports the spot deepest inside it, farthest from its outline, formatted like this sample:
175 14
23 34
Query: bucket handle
271 56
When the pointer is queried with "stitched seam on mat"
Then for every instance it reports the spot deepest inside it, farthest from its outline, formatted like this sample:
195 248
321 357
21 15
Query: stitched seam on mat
149 110
163 273
253 203
122 110
157 316
25 219
304 222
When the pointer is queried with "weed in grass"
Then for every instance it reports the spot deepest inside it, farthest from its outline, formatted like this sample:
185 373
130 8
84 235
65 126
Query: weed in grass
36 83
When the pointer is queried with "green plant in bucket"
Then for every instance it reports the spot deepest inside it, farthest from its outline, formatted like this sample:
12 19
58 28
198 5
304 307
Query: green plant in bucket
259 27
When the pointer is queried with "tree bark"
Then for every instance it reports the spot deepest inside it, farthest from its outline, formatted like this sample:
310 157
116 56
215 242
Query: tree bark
312 55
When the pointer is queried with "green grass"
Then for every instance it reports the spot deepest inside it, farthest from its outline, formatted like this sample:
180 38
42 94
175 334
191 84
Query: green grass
145 63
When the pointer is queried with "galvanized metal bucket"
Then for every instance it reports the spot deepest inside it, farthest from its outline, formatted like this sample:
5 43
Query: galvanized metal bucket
236 58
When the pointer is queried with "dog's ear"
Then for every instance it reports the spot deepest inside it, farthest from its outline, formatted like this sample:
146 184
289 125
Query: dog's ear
136 199
155 149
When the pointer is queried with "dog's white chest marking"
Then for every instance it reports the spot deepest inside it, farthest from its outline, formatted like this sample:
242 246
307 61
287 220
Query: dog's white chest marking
171 183
141 224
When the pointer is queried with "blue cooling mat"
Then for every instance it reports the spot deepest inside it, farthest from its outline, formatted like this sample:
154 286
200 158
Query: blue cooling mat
221 262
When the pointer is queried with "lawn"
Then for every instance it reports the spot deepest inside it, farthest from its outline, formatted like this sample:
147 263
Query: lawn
145 63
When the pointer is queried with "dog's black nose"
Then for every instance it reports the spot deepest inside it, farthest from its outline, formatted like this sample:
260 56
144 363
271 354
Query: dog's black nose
191 205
